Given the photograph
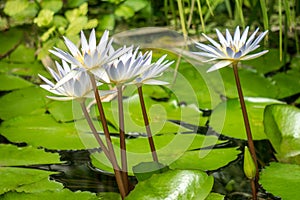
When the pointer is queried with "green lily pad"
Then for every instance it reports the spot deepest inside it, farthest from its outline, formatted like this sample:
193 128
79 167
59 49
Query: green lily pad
233 125
282 128
174 184
63 111
25 101
24 69
215 196
169 148
267 63
288 83
254 89
24 180
211 159
9 82
282 180
9 40
15 156
44 131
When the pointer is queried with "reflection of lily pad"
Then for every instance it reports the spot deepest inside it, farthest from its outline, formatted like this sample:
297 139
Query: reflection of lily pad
174 184
282 180
234 124
14 156
283 130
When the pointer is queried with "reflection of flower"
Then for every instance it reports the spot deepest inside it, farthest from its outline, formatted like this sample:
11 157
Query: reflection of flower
92 57
78 87
130 65
157 68
231 49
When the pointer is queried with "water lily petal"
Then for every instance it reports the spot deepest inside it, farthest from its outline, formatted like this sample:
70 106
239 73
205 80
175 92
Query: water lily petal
66 78
252 56
219 65
155 82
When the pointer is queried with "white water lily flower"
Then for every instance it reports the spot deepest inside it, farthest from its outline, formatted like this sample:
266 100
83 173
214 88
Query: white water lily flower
130 65
79 87
92 57
156 70
231 49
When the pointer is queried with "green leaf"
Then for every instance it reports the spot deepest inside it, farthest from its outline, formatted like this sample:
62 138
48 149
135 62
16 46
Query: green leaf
44 18
109 196
215 196
227 117
22 54
145 170
15 156
174 185
211 159
282 128
63 110
54 5
44 131
24 180
24 69
25 101
76 25
9 40
281 180
136 5
15 7
107 22
124 11
9 82
267 63
288 83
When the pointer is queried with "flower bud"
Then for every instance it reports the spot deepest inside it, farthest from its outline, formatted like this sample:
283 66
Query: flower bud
249 165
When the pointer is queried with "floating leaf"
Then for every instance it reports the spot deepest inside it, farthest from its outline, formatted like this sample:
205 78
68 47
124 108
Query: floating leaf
24 69
145 170
282 128
233 125
63 110
43 130
174 185
211 159
22 102
281 180
15 156
9 82
288 83
23 180
215 196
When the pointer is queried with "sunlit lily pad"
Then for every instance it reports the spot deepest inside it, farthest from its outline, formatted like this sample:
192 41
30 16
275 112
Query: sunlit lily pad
9 82
24 69
283 130
24 180
215 196
22 54
22 102
174 185
234 125
282 180
12 155
43 130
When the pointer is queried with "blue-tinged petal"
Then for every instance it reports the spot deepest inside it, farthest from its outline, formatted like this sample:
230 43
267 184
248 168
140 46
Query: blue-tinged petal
65 56
251 38
100 74
155 82
209 49
61 98
103 41
229 52
220 65
46 81
88 61
257 40
237 55
205 54
72 47
228 37
252 56
66 78
50 89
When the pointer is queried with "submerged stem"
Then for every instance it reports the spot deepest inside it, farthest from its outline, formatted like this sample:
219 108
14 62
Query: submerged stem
119 179
122 137
247 127
146 121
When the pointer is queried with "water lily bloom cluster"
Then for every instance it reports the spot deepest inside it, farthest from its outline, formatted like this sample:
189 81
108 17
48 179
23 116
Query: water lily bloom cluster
231 49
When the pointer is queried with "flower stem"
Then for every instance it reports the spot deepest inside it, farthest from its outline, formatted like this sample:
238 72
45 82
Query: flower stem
146 121
122 137
123 190
248 130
